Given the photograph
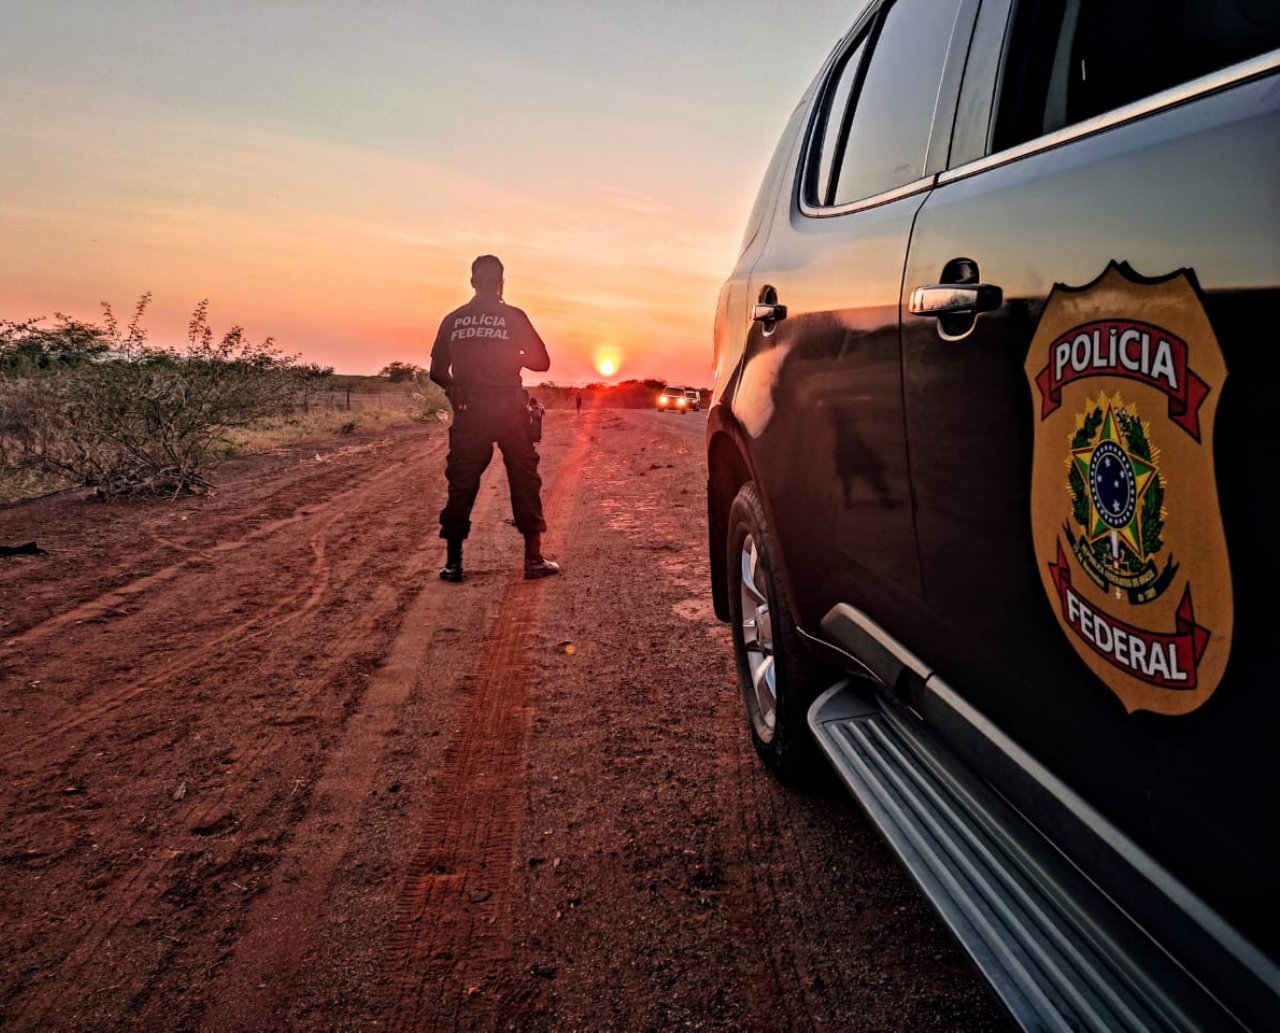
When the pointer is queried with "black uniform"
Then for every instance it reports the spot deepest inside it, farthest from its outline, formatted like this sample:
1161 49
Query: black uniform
477 358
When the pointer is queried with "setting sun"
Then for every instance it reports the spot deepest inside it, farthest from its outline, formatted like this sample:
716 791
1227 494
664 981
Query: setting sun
607 363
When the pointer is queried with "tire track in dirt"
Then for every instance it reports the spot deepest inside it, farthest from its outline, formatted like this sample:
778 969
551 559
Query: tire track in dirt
744 880
257 626
103 604
619 921
452 936
137 894
759 888
254 990
746 865
148 878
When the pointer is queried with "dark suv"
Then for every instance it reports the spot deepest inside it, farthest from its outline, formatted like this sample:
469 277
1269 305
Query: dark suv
987 456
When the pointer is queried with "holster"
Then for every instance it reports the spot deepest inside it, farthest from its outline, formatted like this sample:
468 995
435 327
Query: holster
536 411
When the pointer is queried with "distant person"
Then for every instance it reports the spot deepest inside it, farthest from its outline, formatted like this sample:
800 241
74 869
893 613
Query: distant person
477 358
577 401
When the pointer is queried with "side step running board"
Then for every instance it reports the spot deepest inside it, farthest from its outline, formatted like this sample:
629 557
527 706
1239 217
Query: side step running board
1057 952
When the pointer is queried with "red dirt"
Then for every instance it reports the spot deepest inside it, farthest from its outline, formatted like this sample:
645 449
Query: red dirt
263 770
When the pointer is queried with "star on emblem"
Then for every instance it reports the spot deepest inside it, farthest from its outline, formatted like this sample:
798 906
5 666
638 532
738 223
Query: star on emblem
1115 481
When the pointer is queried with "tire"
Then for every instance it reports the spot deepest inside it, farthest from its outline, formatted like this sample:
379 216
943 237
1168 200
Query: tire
778 677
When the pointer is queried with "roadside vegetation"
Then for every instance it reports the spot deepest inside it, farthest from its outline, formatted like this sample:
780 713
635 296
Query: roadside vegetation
96 405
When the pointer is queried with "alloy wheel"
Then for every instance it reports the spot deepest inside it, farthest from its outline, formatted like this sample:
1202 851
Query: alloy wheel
757 637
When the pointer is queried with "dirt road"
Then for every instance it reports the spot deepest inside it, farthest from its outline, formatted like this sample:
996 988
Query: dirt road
263 770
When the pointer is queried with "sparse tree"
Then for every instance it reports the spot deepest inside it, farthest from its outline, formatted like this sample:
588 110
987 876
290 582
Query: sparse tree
27 347
399 372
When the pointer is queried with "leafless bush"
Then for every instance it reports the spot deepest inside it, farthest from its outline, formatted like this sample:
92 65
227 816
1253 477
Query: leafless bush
131 418
29 426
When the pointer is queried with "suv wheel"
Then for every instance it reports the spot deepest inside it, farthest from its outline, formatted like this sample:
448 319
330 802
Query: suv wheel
778 677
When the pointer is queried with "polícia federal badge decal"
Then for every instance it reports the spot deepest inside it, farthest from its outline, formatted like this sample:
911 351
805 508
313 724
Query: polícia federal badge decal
1125 374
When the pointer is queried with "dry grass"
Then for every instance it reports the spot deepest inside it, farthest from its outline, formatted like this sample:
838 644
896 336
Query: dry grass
318 425
18 485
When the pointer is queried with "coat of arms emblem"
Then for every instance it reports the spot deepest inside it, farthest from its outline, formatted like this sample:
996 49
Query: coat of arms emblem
1125 375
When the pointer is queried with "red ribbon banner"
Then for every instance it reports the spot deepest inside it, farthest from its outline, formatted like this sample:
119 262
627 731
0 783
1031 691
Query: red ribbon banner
1168 660
1125 348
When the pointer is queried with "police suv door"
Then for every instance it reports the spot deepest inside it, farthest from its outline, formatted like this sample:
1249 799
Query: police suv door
821 387
1088 345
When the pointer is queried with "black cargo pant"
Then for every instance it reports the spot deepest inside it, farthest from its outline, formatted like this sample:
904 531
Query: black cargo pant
505 421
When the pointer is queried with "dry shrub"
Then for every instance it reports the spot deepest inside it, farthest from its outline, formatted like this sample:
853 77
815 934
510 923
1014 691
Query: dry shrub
89 404
129 418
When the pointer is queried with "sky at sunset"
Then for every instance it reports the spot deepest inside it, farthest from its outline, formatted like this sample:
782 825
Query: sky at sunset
324 172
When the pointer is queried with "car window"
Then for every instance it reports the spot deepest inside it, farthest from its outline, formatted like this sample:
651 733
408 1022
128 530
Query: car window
1069 60
834 126
884 144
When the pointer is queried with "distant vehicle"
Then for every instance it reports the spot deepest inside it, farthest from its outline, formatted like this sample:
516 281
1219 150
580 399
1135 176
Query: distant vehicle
675 399
985 453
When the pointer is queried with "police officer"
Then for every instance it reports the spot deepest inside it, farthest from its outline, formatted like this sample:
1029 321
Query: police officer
477 358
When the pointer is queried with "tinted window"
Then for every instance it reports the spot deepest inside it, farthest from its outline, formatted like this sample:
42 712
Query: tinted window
1070 60
888 137
838 110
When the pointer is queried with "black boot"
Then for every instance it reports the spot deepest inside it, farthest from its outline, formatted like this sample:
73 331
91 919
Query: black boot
453 560
535 564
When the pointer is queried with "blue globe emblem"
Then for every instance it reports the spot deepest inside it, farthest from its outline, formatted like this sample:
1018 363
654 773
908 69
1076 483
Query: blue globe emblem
1111 483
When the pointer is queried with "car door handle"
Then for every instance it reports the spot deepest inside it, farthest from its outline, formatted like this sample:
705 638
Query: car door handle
768 313
940 298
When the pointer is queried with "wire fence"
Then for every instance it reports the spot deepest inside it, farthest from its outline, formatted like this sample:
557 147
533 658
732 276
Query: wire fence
362 398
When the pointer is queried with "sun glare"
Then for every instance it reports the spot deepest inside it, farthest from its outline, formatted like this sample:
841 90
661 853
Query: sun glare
607 363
